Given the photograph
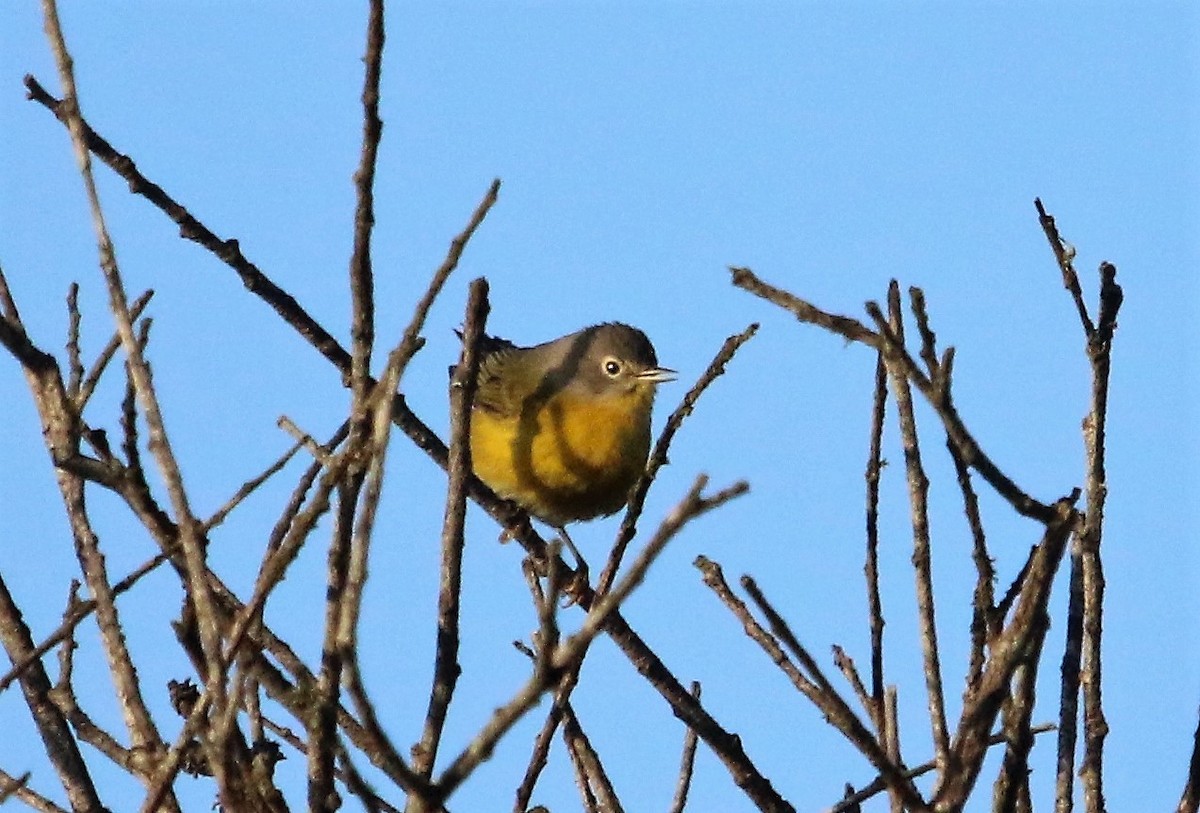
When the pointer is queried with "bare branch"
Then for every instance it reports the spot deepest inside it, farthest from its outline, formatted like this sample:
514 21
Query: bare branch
198 590
814 686
88 386
16 787
727 747
411 341
918 495
589 769
250 486
851 329
362 283
446 668
875 621
687 762
877 785
982 704
1064 255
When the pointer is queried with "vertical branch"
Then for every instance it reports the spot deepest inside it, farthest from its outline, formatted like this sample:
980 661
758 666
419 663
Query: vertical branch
347 551
871 569
984 601
322 720
143 733
362 284
918 490
1095 727
1011 789
687 762
74 362
1068 702
446 666
198 587
1088 585
891 742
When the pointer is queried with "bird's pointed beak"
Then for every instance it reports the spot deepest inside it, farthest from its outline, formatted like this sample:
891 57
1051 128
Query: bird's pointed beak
656 375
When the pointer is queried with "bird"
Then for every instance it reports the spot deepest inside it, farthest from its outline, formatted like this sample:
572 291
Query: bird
562 429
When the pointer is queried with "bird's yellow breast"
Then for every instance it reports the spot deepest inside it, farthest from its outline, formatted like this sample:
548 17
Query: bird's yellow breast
571 457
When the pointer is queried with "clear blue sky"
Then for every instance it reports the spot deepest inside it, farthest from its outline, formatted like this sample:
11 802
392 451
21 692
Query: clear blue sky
644 148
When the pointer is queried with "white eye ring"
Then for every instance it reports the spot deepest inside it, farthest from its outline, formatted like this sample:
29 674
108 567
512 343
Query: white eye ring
612 367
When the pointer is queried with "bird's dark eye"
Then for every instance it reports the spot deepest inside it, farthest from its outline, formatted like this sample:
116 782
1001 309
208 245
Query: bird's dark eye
612 367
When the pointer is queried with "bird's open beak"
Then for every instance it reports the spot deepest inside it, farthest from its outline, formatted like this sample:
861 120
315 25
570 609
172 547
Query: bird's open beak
656 375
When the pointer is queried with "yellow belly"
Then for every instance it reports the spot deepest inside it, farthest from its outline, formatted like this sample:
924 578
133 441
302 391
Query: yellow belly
570 459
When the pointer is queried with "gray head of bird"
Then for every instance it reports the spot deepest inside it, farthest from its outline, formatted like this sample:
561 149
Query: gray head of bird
612 358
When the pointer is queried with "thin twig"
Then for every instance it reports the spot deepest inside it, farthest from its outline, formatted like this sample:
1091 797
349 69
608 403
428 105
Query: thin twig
845 665
1011 789
687 763
1068 700
322 722
874 471
878 785
411 341
362 283
539 755
891 743
74 362
918 494
107 352
1095 727
160 447
1064 255
588 765
851 329
814 686
16 787
249 487
983 602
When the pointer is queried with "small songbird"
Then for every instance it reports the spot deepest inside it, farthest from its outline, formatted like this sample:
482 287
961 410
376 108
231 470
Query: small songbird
563 428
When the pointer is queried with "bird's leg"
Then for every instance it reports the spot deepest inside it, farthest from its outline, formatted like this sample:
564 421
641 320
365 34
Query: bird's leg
581 565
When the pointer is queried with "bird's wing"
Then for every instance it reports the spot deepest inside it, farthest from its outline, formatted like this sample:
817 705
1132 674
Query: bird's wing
494 384
490 393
